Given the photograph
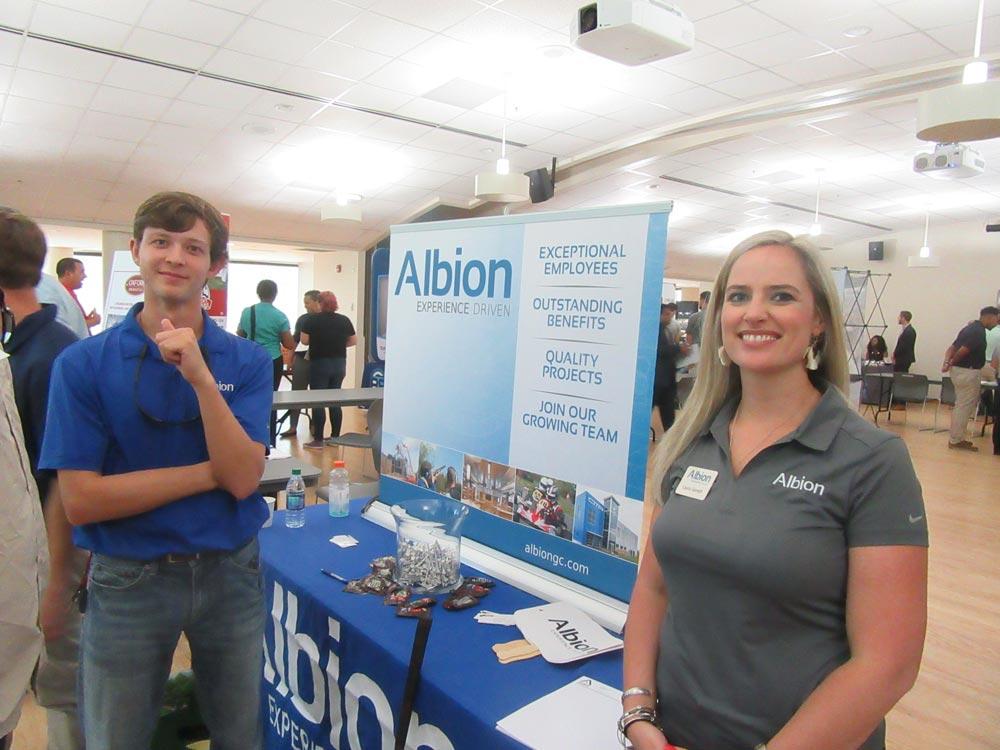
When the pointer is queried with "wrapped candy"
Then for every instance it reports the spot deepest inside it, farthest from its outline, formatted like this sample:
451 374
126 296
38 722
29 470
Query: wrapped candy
460 602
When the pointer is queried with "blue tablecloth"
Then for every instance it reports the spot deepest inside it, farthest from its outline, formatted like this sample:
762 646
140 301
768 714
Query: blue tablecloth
343 686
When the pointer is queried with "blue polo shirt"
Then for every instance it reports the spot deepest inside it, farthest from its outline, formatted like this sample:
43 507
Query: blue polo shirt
115 407
33 347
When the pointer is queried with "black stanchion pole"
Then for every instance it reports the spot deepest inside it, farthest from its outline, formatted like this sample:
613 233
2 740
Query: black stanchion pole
412 679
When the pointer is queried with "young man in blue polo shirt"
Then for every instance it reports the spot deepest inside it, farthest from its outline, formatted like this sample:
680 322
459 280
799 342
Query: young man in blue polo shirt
157 429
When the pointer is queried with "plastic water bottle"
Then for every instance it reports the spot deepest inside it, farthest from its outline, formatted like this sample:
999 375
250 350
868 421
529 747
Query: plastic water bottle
295 501
340 491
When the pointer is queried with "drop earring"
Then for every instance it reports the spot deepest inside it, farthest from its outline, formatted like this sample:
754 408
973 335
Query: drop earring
723 357
812 357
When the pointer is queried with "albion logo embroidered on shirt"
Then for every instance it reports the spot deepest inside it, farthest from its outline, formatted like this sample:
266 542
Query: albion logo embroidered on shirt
793 482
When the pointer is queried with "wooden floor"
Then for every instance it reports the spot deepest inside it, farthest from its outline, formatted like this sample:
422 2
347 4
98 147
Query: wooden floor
956 702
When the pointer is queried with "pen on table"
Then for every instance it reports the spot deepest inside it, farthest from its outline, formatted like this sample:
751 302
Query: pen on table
333 575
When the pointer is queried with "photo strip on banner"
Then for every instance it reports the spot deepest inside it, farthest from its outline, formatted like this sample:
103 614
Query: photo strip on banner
520 353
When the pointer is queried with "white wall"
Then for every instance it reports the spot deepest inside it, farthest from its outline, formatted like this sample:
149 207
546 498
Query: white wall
942 299
342 272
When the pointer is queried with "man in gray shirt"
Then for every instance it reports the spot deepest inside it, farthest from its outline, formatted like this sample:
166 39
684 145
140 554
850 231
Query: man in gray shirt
695 321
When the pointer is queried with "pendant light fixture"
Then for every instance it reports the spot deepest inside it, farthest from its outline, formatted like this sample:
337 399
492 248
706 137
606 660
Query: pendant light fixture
925 249
816 230
500 185
968 111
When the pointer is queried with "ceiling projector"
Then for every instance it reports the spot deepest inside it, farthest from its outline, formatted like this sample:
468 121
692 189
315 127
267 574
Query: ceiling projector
950 160
632 32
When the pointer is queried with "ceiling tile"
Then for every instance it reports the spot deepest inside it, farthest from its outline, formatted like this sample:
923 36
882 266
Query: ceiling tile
737 26
272 41
166 48
10 49
429 111
826 67
316 17
44 114
752 85
104 148
129 103
435 15
34 138
124 11
708 68
564 145
495 32
344 120
59 60
342 60
15 13
49 88
312 83
244 67
553 14
116 127
463 93
645 115
78 27
699 100
441 52
384 35
883 25
782 48
219 94
199 116
410 78
395 131
259 129
374 97
145 78
602 130
959 37
800 15
924 15
900 50
190 20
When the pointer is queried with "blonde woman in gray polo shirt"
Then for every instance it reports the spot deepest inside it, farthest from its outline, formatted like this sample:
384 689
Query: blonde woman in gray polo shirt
784 601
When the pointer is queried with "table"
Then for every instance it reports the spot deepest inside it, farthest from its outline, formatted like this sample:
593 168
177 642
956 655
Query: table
335 663
278 470
886 379
324 397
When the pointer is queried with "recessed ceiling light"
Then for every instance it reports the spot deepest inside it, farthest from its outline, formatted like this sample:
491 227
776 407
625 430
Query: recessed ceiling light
258 128
284 107
653 186
555 51
857 31
487 150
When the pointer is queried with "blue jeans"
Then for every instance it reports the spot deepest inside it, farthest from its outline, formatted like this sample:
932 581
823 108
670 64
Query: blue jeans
136 612
327 372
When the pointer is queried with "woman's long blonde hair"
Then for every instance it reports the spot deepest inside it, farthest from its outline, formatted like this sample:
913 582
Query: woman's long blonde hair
717 383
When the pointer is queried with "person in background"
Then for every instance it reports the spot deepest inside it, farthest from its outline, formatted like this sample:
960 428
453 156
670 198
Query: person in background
33 346
268 326
964 361
300 360
782 599
72 274
50 292
157 428
668 320
23 557
903 355
876 350
696 319
996 400
327 334
665 374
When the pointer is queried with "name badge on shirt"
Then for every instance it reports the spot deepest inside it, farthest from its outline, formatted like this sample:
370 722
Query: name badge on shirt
696 482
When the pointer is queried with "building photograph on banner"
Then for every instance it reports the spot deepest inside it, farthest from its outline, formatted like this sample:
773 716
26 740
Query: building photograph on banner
520 353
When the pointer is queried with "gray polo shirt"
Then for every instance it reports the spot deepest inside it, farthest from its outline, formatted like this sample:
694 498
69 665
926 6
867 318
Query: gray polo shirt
757 570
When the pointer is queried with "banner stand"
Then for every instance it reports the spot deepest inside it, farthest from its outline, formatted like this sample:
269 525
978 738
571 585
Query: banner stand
606 610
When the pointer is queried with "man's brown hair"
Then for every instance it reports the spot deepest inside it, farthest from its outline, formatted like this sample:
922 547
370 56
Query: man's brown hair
22 250
177 212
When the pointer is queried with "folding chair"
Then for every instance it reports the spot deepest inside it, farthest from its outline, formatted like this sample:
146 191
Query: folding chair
373 441
947 398
909 388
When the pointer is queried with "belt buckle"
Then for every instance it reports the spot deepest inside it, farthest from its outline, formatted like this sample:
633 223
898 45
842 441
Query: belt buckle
172 557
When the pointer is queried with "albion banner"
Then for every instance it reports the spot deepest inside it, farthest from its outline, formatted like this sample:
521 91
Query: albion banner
519 370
